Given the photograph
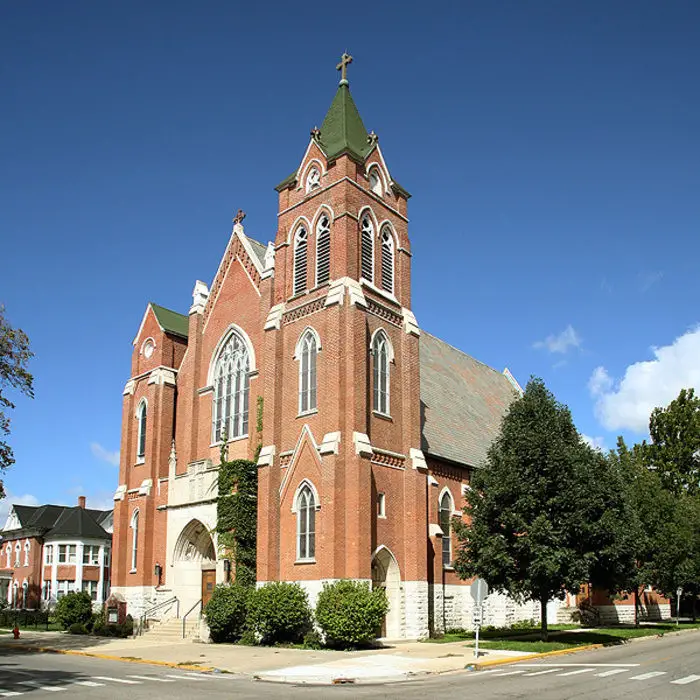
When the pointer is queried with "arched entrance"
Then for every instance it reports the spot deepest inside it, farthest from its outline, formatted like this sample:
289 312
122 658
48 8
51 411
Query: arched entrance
386 575
194 565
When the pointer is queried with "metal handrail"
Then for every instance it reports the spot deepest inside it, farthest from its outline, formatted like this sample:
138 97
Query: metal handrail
150 611
184 617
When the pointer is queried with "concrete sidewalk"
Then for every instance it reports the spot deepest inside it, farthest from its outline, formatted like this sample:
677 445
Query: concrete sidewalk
398 661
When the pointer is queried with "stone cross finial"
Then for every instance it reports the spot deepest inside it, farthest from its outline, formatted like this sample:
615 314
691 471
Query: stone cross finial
372 138
239 217
345 61
315 133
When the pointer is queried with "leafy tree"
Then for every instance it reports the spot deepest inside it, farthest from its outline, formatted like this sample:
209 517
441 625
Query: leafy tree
74 608
675 435
544 514
14 358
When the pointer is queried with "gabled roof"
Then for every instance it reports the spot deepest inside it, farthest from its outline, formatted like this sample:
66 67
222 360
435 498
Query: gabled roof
59 521
462 402
76 522
342 130
171 321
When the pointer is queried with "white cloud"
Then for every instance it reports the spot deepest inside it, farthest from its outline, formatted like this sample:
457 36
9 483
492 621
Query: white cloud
561 343
627 403
597 443
11 500
104 455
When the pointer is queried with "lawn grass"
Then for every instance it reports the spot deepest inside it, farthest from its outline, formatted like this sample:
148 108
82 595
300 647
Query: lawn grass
500 633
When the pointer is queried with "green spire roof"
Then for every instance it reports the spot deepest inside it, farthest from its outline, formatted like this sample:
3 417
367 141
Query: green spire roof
342 130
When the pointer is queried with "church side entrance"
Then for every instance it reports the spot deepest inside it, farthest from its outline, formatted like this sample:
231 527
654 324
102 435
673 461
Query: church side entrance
194 565
386 575
208 583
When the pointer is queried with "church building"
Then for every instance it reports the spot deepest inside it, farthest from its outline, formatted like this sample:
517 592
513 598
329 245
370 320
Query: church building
305 352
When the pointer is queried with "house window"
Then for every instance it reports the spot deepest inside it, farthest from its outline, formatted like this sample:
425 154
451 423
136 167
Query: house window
27 547
91 555
367 258
306 524
387 261
307 352
8 553
18 549
48 555
63 587
375 182
323 250
107 558
380 352
300 260
47 590
381 505
90 587
313 180
141 439
134 539
230 414
445 526
67 553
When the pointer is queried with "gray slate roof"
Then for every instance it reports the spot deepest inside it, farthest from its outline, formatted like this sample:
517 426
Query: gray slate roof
258 248
462 402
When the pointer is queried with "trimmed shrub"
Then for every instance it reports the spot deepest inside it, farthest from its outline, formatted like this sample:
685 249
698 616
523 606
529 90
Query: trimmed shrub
350 613
226 612
78 628
73 608
279 612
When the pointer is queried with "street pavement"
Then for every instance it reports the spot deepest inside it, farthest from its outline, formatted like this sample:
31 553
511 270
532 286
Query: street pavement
655 668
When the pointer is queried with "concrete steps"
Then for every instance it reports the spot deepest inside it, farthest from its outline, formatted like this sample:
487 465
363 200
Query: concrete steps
171 630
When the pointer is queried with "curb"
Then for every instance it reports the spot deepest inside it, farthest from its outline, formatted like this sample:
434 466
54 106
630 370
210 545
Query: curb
108 657
478 666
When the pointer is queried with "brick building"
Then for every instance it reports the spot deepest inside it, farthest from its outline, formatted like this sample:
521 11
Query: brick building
307 347
48 551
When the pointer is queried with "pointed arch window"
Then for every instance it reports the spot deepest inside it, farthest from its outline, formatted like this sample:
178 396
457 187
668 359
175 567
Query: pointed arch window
387 260
141 417
300 260
313 180
375 182
27 547
134 539
306 523
367 246
445 515
307 350
381 355
323 250
231 388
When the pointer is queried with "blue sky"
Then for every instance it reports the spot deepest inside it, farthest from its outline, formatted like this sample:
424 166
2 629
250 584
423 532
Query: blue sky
551 149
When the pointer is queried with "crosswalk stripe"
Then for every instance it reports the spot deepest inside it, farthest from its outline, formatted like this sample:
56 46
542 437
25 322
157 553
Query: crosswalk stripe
605 674
541 673
36 684
576 672
153 678
116 680
9 693
183 677
646 676
89 684
508 673
209 675
687 679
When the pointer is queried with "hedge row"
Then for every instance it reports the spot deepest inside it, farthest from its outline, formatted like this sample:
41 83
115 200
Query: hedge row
348 613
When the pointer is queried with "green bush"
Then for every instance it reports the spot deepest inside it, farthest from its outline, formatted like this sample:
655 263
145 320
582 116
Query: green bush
248 639
78 628
279 613
73 608
226 612
350 613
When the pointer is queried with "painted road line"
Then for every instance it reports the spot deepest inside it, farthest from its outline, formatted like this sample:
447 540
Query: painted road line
9 693
194 674
509 673
605 674
183 677
116 680
576 672
647 676
36 684
687 679
541 673
88 684
153 678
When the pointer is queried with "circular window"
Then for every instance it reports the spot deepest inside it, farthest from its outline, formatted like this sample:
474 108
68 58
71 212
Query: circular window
148 349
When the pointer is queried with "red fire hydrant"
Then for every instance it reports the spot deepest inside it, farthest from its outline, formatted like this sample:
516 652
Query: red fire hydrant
15 632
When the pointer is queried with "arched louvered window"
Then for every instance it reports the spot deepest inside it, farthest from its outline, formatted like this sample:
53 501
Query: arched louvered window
230 414
375 182
445 515
300 260
387 261
381 355
306 523
134 539
323 250
141 417
367 246
307 350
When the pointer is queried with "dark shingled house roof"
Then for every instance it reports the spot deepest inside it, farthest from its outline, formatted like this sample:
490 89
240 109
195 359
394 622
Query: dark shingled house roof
59 521
462 402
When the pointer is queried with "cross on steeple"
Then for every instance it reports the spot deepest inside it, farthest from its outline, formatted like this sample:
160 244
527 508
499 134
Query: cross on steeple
345 61
239 217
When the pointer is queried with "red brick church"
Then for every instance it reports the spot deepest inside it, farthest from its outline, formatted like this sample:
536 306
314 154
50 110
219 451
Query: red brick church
369 427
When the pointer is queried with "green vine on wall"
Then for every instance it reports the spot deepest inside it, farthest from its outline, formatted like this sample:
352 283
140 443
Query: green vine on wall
237 508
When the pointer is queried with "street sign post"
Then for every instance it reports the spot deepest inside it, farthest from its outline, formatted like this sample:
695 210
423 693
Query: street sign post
679 593
479 590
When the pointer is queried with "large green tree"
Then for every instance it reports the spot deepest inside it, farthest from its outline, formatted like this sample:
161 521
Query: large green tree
14 358
544 514
674 452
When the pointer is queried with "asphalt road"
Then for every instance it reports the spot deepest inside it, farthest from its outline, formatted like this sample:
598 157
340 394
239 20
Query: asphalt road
657 668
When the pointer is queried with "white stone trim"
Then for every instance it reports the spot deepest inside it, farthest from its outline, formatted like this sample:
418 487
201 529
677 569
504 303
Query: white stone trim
162 375
317 338
330 444
432 481
200 294
434 530
120 493
274 318
418 459
269 261
410 324
266 456
337 291
362 444
317 500
129 388
509 376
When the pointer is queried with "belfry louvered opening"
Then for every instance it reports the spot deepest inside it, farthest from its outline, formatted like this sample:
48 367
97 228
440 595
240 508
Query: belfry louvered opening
323 250
387 261
300 260
367 262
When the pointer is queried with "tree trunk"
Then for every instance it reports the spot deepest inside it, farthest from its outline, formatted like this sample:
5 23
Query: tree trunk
636 606
544 632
